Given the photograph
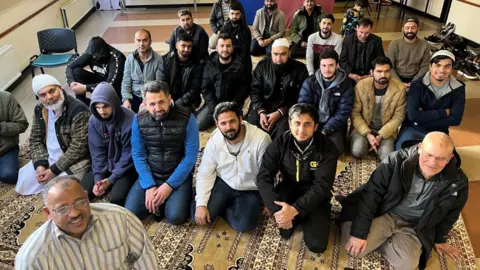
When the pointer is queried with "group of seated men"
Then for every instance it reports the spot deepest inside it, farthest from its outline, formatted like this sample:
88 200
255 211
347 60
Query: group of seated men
138 142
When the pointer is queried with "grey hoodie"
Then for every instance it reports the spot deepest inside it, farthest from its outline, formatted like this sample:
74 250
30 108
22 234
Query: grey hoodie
323 106
109 140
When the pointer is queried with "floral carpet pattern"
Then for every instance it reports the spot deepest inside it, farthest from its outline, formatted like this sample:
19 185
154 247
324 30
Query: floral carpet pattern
218 247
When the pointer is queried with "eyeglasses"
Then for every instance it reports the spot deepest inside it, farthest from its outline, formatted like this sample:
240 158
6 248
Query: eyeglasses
61 211
438 159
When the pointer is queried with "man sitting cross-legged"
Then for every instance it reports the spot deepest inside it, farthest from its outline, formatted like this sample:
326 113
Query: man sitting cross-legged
226 177
307 162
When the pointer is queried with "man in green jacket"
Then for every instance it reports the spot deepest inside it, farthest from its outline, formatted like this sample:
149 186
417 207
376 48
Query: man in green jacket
12 123
305 22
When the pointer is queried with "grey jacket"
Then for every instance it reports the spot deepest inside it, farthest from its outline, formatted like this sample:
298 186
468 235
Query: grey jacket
134 78
277 24
12 122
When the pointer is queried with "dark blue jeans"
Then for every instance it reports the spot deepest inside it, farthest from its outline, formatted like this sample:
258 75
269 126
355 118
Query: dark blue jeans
9 166
240 209
408 134
175 209
256 49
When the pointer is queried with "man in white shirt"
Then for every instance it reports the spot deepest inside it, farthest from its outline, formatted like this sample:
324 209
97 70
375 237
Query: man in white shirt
226 176
80 235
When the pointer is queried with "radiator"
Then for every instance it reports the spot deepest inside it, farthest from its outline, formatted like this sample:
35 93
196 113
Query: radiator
74 11
9 73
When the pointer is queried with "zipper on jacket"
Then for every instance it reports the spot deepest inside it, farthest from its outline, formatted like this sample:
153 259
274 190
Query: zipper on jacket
297 163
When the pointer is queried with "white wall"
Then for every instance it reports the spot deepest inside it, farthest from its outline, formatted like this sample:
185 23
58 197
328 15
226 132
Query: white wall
24 38
434 7
466 19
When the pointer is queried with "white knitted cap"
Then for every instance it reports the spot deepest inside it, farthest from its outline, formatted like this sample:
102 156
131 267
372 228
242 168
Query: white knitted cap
444 53
281 42
42 80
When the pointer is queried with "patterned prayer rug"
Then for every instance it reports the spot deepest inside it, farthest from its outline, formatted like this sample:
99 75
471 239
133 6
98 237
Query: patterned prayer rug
218 247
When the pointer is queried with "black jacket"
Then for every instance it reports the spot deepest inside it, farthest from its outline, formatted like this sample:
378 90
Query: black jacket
241 35
313 176
200 40
263 84
216 15
191 79
340 103
229 85
108 70
348 57
390 183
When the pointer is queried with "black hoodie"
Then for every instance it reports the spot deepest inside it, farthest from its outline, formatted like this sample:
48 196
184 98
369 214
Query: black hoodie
107 64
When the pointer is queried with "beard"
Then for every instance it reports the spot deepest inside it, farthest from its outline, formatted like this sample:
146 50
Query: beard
382 81
232 134
324 33
410 35
225 58
271 7
57 105
330 78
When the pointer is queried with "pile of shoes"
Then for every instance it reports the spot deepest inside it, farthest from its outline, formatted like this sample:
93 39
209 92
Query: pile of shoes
467 62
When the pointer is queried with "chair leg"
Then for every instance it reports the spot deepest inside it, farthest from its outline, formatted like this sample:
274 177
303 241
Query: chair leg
43 72
32 69
368 10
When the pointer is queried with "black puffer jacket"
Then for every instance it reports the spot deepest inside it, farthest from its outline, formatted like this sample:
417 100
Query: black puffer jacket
229 85
191 79
349 57
200 41
216 15
263 85
390 183
313 176
241 36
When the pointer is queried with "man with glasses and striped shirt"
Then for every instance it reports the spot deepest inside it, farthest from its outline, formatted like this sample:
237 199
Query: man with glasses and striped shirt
80 235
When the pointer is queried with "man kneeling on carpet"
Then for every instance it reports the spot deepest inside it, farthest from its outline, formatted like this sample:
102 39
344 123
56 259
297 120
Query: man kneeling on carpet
58 140
78 234
307 162
408 206
165 142
109 133
226 176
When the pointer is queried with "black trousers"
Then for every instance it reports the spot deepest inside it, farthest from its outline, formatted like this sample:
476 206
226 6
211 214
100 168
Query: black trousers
205 118
117 193
405 79
280 127
135 103
297 51
316 224
86 77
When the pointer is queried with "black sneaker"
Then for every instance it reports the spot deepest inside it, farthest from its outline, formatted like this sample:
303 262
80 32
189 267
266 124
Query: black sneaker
447 30
433 39
467 70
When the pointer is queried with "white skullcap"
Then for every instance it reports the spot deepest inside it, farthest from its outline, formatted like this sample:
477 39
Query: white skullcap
281 42
444 53
42 80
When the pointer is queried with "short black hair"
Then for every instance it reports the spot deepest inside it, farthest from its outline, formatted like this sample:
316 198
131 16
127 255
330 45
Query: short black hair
184 37
146 32
365 22
225 36
184 12
227 106
329 54
155 87
438 58
328 16
303 108
380 61
236 6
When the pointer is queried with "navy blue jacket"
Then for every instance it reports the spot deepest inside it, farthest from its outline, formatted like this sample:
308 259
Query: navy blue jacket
109 140
433 115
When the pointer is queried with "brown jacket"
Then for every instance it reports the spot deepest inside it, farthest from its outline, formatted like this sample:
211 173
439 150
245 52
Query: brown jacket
393 109
12 122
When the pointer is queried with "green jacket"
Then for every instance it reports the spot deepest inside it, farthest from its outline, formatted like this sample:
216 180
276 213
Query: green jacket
299 23
12 122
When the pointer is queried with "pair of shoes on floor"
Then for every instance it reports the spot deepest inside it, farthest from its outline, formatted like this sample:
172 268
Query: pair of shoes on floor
468 70
441 35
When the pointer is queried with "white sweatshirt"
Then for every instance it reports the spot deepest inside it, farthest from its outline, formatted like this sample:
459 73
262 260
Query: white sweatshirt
238 172
316 45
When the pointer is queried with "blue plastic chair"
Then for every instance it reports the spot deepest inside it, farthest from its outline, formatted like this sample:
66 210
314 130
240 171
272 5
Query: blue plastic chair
55 46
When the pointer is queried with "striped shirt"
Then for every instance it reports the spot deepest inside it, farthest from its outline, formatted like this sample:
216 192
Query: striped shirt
114 239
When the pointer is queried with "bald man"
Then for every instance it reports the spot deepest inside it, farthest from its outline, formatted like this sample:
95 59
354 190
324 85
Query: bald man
275 88
80 235
408 206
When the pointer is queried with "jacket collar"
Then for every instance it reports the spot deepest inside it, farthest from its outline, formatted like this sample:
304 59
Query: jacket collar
452 82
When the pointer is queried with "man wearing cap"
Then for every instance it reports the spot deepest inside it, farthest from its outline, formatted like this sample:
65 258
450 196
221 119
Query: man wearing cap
268 25
409 54
58 139
106 64
434 102
275 87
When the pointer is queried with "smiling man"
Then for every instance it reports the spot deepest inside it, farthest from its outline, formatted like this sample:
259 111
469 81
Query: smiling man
408 206
307 162
226 176
434 102
80 235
